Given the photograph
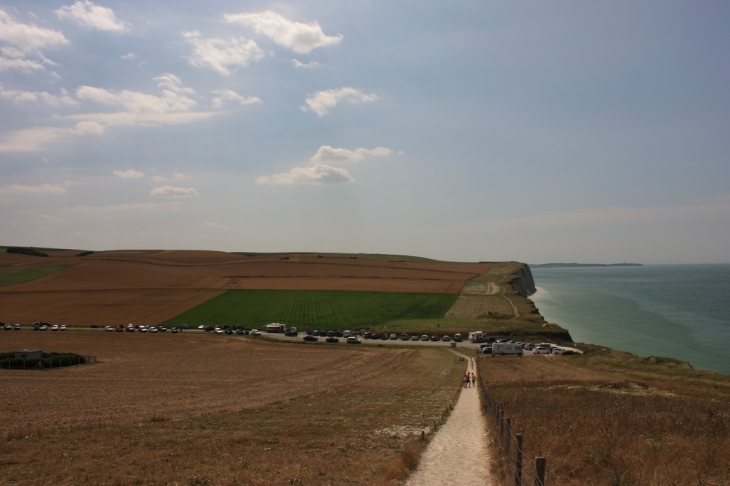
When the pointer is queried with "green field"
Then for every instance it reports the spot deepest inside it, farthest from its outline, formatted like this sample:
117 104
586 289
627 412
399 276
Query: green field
314 309
12 277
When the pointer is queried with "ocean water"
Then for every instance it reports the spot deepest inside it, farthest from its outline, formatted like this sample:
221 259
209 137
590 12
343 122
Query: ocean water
677 311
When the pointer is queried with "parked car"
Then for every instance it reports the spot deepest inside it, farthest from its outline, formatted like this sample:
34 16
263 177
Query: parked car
393 337
142 328
558 351
255 332
218 330
44 327
415 338
434 338
353 340
458 338
404 337
292 331
384 337
541 350
229 331
239 331
94 326
424 337
174 330
63 327
333 339
201 327
119 328
109 329
311 337
16 327
7 327
153 329
161 328
446 338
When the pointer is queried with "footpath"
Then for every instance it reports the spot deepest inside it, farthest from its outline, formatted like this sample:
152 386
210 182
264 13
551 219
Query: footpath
458 453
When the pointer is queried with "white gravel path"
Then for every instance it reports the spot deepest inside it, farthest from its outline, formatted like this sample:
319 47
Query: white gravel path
458 454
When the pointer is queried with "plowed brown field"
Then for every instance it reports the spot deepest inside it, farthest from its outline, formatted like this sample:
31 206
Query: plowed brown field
149 287
139 376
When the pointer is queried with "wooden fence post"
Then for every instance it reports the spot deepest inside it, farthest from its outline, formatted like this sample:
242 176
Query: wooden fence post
518 461
539 471
507 435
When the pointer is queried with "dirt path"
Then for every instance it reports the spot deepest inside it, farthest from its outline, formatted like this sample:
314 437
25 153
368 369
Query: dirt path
458 453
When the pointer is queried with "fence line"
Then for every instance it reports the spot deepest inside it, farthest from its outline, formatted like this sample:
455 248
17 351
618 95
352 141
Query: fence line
524 470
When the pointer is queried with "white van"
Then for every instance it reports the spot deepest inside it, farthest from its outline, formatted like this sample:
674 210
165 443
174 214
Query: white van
506 349
347 334
476 336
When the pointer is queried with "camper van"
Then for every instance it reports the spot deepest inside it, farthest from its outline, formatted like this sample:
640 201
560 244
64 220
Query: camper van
275 327
476 336
506 349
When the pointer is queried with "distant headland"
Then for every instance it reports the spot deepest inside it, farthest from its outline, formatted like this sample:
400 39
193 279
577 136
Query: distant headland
582 265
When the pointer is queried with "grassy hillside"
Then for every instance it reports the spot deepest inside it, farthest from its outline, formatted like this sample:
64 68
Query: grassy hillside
314 309
13 277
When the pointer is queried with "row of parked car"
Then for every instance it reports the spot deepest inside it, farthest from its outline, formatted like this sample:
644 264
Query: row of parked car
37 326
230 330
504 345
139 328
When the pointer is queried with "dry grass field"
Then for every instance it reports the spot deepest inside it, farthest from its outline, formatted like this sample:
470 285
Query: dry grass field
154 286
612 418
138 376
296 414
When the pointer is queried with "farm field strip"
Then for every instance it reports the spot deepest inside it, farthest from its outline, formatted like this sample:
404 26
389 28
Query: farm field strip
14 277
353 434
313 309
139 376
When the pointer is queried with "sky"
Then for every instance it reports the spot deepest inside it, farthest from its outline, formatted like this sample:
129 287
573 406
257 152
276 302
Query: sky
535 131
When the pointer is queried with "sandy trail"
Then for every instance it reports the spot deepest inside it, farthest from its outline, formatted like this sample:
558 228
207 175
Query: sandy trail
458 453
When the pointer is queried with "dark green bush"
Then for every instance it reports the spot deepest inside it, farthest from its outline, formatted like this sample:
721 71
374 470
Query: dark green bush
49 360
25 251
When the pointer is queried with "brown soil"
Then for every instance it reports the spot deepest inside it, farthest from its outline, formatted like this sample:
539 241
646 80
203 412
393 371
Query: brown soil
139 376
162 284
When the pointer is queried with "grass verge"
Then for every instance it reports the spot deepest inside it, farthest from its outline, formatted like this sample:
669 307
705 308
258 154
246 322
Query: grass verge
629 421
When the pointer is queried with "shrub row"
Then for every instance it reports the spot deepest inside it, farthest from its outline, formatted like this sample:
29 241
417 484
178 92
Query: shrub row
25 251
49 360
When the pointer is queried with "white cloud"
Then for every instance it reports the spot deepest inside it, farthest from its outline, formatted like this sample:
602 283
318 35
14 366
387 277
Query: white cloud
222 54
18 189
169 191
298 36
124 118
94 16
31 139
305 65
333 155
128 57
128 174
33 96
21 45
320 174
170 82
322 101
158 178
179 176
136 102
228 94
89 127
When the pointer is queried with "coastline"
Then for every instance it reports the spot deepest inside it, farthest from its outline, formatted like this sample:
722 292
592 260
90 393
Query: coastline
640 319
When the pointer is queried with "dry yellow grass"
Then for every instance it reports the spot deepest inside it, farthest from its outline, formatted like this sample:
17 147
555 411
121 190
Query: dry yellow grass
605 419
352 434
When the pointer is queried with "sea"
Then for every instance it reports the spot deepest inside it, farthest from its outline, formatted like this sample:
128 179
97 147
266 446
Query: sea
676 311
